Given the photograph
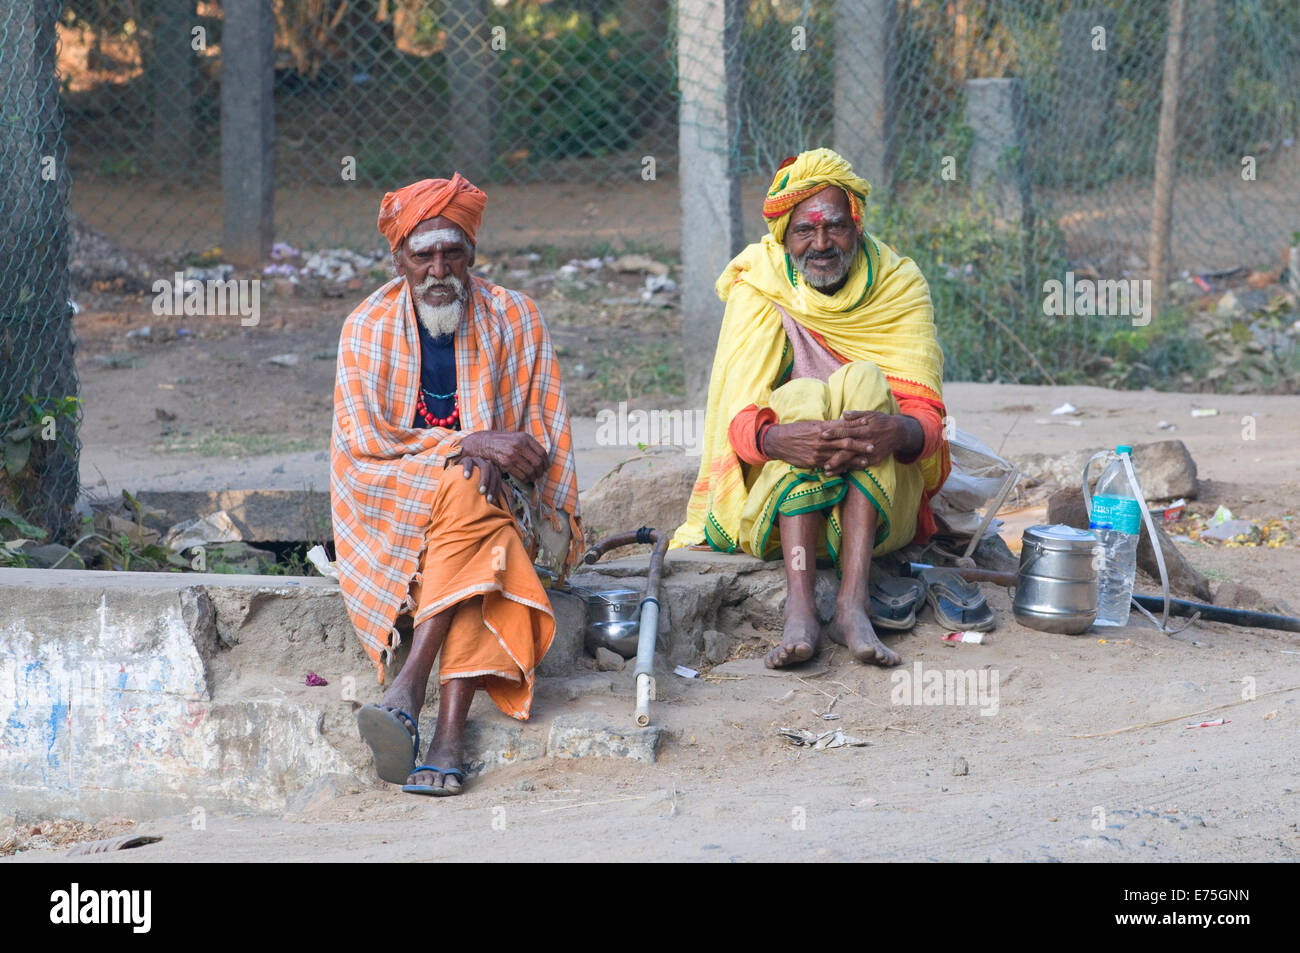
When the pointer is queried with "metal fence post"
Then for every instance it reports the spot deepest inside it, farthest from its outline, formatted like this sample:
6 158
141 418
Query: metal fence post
865 87
1163 202
998 171
708 69
247 131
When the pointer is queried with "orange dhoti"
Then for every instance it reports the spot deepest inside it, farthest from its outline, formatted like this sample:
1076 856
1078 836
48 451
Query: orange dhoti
473 548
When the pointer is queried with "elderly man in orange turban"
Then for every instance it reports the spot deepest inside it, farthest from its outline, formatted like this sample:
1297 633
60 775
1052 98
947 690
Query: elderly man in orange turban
452 473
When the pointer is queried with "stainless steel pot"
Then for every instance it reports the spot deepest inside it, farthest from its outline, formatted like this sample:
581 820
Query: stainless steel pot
612 619
1056 585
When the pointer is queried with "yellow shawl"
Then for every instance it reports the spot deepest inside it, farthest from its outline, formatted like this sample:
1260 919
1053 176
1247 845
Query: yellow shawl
882 314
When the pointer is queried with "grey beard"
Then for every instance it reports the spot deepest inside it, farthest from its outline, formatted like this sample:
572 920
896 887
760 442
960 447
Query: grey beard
443 318
838 275
440 319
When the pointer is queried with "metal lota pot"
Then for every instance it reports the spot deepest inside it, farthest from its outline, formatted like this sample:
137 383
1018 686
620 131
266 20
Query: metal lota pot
612 619
1056 585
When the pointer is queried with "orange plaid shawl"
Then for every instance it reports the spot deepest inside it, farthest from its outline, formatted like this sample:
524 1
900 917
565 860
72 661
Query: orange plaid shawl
383 471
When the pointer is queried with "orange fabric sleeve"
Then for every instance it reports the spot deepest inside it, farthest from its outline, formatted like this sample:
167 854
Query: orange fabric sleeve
927 415
745 429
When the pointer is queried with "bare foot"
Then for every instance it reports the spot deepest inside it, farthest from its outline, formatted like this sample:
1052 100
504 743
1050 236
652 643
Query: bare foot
852 629
798 642
447 747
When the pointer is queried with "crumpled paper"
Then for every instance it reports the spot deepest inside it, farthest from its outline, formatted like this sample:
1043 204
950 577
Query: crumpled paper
835 738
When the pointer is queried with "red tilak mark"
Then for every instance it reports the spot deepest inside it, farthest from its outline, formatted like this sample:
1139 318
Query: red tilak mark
815 216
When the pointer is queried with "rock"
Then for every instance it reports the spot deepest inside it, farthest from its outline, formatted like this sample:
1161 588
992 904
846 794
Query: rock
282 360
959 767
1066 506
1227 305
577 686
47 555
587 736
1165 468
993 553
214 528
647 492
1236 596
268 516
607 661
564 655
717 646
238 557
494 741
93 257
644 263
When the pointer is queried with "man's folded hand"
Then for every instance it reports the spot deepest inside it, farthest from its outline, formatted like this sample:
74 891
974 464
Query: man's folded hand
513 452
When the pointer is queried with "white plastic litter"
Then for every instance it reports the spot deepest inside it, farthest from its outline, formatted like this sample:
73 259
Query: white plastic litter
320 559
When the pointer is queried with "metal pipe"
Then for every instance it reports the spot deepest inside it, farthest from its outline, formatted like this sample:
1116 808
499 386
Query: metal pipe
648 633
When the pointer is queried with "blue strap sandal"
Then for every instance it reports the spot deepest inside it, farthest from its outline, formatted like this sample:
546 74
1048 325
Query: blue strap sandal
428 789
395 746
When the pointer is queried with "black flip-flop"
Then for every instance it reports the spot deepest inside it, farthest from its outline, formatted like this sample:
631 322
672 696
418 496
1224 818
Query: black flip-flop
395 748
894 601
428 790
958 605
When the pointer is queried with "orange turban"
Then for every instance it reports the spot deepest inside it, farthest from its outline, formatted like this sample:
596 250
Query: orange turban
456 199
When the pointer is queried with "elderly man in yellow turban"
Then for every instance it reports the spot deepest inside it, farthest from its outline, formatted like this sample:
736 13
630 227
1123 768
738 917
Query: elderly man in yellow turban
823 431
451 472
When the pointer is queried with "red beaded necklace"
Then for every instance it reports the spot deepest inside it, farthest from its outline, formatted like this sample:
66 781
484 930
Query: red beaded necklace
433 421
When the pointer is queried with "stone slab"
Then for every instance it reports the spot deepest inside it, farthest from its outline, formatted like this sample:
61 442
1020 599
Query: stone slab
588 735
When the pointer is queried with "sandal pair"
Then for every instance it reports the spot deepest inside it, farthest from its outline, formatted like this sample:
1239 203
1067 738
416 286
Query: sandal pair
958 605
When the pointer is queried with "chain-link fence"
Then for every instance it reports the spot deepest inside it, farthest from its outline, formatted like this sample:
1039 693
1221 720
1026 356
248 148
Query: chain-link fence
38 382
1012 143
372 93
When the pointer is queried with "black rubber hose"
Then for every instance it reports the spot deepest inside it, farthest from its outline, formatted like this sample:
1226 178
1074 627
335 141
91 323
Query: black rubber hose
1245 617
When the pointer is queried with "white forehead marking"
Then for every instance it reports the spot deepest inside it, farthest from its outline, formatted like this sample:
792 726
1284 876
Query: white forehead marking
436 236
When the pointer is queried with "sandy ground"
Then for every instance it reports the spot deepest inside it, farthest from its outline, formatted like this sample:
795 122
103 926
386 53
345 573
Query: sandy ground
726 787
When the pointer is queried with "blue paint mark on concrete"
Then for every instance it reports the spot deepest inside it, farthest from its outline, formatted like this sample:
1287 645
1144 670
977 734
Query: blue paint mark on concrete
58 714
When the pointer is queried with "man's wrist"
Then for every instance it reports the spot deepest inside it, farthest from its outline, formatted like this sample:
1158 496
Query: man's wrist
911 438
770 442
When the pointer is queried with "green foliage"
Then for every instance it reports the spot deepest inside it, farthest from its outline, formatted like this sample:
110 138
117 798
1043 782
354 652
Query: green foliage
986 284
111 166
28 435
571 89
1167 354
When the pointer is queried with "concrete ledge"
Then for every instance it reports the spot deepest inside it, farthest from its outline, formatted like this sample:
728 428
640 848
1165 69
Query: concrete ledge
153 693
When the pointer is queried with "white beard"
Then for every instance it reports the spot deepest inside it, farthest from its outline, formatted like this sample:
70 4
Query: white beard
440 319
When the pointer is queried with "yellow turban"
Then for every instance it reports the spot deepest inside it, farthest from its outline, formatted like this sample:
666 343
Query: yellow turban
803 176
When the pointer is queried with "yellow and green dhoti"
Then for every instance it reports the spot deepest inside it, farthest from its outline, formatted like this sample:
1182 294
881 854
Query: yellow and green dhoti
893 488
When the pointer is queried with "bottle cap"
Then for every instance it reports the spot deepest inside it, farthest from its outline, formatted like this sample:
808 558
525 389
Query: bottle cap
1122 448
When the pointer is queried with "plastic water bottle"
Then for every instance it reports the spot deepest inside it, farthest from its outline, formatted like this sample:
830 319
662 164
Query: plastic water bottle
1116 519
